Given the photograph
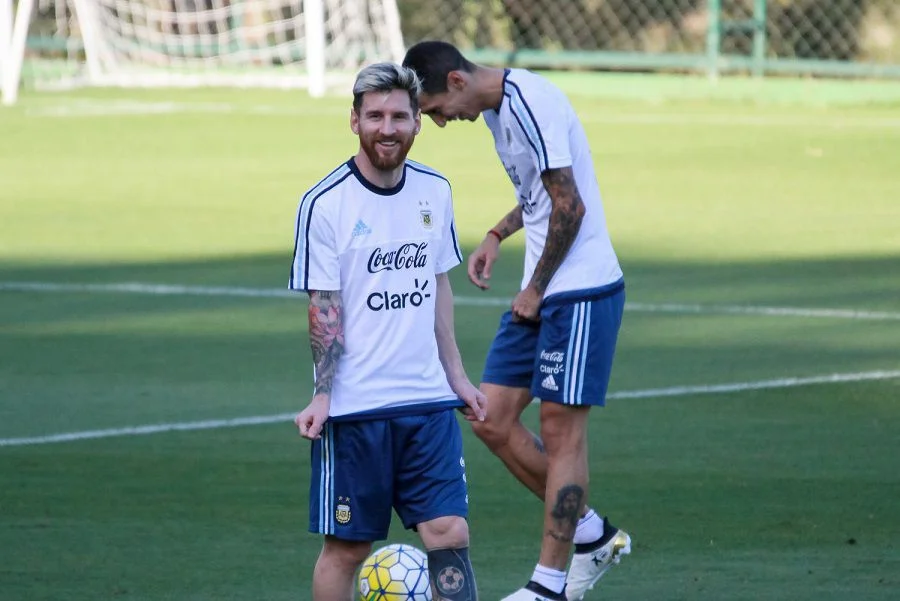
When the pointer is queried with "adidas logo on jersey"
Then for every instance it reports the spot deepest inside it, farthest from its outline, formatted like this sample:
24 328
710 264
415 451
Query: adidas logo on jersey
361 229
549 383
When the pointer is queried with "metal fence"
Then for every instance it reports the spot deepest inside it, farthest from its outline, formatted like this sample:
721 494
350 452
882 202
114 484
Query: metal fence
816 37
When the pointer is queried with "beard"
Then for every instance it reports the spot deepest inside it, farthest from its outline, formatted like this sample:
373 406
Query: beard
387 159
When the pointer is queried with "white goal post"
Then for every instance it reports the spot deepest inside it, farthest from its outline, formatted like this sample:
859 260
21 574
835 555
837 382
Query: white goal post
312 44
6 16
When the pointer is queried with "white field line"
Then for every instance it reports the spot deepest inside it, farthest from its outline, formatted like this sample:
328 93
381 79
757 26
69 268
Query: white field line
762 310
462 300
818 121
100 108
760 385
210 424
287 417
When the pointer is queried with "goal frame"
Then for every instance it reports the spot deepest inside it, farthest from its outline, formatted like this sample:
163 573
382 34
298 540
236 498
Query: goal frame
99 60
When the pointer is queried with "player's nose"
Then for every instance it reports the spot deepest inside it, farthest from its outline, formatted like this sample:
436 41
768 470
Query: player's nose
387 127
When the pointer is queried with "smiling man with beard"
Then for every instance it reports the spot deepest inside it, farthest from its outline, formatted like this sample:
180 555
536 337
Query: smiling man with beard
374 242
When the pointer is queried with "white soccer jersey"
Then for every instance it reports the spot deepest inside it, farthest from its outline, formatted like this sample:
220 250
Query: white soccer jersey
381 248
536 129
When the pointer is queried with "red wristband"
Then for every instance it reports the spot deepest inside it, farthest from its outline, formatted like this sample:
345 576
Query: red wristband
496 234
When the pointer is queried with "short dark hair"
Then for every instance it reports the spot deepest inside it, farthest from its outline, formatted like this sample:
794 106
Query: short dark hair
433 61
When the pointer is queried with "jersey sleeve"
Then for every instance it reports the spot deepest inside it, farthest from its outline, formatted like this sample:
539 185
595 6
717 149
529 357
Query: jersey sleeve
543 114
316 263
449 254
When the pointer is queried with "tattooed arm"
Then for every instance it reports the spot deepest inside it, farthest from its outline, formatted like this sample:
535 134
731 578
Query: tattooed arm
482 259
510 224
565 221
326 337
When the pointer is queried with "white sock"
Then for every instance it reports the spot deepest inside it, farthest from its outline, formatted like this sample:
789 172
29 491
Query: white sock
553 580
589 528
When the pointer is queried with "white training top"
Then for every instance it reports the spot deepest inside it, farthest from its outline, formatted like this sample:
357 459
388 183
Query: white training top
536 129
381 248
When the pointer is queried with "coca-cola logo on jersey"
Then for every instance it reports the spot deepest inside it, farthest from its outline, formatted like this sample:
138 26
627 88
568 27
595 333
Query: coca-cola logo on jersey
411 255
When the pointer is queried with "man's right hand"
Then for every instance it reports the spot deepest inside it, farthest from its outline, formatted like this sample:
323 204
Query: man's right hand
482 260
310 420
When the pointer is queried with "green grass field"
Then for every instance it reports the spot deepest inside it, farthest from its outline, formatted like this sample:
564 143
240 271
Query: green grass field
758 225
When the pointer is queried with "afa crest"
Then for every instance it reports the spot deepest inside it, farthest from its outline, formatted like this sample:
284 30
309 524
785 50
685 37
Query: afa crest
342 511
426 219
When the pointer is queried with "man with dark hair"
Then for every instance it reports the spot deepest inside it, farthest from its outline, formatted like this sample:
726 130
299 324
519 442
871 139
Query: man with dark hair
558 340
377 237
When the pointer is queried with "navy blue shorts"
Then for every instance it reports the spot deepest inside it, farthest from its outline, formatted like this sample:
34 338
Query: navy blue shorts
362 469
567 356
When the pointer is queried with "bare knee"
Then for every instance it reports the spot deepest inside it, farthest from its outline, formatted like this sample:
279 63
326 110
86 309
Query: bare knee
563 427
504 406
494 433
447 532
344 553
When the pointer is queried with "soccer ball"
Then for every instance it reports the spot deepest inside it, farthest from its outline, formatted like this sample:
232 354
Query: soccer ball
395 573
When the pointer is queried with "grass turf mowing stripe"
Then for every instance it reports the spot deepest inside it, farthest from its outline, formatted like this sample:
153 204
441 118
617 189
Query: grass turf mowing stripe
286 417
470 301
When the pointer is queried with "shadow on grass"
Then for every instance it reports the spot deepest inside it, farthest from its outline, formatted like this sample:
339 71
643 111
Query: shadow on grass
865 283
189 357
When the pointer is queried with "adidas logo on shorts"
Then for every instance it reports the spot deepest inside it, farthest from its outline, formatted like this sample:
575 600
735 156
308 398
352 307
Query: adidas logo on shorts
549 383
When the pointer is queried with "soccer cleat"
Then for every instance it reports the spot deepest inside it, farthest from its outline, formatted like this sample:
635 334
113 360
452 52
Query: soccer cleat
534 592
588 566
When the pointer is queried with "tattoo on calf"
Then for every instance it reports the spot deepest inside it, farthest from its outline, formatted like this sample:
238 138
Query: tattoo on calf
569 500
561 536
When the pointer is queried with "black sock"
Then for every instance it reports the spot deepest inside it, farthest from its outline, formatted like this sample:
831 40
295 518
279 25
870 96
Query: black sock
451 574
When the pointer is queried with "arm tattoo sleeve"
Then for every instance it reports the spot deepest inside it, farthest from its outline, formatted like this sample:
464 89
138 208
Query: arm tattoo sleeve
326 335
565 221
511 223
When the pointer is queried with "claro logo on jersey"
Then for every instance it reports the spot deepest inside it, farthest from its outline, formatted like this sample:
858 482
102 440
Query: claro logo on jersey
411 255
393 301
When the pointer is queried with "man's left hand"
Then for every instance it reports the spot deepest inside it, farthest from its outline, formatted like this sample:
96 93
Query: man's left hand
473 398
527 305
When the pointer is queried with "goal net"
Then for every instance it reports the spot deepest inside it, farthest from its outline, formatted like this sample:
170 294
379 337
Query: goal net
314 44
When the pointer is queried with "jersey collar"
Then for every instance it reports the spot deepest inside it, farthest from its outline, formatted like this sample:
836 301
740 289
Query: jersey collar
372 187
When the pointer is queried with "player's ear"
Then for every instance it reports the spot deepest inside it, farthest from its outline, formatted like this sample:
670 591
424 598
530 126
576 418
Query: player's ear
456 80
354 121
